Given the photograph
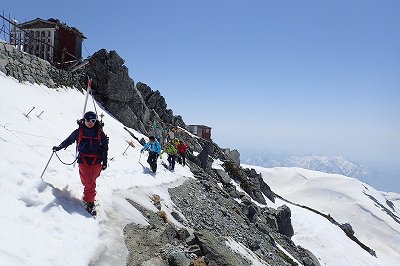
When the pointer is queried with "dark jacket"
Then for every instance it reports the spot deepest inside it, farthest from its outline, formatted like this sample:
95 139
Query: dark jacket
91 147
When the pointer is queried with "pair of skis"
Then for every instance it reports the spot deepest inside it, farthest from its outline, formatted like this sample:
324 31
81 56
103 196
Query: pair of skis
90 207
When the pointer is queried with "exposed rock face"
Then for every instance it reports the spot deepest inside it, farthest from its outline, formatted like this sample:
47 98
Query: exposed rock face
283 220
207 207
155 101
225 179
234 156
162 243
116 91
212 212
215 250
347 228
250 182
135 106
259 182
205 160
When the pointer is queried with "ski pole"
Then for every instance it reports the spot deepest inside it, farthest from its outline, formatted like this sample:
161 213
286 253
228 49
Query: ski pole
47 164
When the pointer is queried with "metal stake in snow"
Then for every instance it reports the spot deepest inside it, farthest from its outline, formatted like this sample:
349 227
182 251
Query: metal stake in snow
40 114
30 111
130 144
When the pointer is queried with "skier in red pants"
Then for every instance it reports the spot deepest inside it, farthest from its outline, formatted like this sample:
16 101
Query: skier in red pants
92 147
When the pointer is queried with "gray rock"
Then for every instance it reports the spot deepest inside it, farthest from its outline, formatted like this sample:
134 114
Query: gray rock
183 234
224 177
177 216
195 249
170 234
27 68
116 90
347 228
216 252
234 156
284 222
156 261
154 100
178 259
205 160
204 204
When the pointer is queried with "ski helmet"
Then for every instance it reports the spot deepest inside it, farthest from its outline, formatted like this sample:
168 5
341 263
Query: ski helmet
90 115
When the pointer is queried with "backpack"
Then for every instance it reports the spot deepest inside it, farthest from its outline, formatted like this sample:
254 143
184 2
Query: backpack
98 136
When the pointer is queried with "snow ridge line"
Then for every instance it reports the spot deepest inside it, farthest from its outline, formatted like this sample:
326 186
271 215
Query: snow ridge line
332 220
383 208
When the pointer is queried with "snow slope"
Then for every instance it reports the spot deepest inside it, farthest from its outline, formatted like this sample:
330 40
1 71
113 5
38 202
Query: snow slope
374 219
42 221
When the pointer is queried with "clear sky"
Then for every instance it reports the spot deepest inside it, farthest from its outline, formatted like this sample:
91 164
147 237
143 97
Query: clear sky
311 76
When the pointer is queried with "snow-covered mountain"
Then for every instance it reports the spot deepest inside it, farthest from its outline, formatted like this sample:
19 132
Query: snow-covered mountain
43 222
326 164
373 215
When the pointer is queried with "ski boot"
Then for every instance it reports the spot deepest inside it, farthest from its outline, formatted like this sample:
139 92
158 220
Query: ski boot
91 208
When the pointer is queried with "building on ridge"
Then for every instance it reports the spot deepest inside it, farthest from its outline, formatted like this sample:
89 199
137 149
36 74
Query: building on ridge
49 39
201 131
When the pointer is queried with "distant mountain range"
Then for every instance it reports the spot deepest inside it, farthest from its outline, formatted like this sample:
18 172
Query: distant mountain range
326 164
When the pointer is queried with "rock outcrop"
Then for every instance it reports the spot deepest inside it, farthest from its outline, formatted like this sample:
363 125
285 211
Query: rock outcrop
116 91
28 68
210 208
155 101
136 106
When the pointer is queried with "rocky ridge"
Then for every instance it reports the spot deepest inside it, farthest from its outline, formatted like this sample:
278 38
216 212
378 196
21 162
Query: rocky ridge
209 208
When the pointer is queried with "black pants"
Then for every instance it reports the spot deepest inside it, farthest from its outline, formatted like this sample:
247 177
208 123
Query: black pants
181 158
171 160
152 160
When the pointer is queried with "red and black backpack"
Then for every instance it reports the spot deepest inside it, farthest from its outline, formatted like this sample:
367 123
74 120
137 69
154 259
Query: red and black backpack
99 125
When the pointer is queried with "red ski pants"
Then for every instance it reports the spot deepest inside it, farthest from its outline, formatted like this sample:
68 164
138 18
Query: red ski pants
88 174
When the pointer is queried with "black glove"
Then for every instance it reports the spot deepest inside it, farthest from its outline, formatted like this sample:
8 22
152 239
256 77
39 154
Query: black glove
56 148
104 166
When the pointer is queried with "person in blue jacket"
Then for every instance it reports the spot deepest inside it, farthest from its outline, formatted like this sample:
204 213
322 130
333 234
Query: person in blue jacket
154 148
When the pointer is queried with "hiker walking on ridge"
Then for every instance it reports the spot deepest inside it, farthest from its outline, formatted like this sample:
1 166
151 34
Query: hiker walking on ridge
154 148
172 152
92 147
182 148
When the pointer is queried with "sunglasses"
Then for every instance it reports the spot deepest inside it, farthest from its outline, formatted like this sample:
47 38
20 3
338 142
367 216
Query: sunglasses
91 120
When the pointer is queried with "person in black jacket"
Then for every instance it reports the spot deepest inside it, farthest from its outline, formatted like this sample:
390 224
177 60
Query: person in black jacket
92 147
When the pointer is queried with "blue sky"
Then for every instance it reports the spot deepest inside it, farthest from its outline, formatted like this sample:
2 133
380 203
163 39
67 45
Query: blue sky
319 77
